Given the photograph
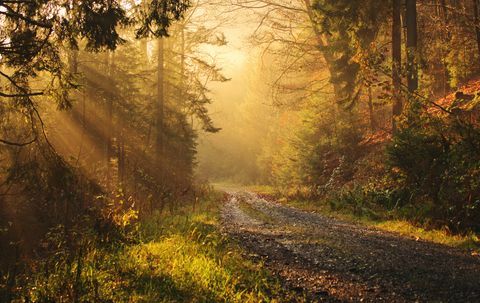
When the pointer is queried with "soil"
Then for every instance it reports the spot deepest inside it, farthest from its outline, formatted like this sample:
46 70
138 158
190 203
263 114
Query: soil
328 260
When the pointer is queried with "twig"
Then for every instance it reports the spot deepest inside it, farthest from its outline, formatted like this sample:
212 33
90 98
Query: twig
6 142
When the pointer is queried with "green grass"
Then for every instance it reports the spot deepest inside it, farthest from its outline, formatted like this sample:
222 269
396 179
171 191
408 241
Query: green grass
378 218
403 227
200 263
180 258
256 214
264 189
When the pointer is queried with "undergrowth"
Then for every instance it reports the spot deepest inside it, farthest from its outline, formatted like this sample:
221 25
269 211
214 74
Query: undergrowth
378 210
180 257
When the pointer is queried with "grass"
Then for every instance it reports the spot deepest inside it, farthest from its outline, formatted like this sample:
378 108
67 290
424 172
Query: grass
256 214
201 264
378 218
182 257
405 228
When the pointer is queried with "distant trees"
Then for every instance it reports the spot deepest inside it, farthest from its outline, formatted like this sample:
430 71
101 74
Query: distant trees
347 73
160 111
40 64
34 32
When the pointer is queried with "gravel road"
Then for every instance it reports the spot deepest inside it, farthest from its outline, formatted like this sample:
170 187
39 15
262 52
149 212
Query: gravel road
333 261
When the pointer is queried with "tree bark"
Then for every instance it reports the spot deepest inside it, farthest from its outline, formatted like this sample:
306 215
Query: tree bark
373 123
329 59
109 130
396 61
412 42
182 62
160 104
73 61
477 25
443 7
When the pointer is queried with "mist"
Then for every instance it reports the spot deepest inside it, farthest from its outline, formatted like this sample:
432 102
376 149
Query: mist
239 151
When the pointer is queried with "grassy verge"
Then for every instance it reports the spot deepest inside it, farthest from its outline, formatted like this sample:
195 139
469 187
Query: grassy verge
376 217
254 213
198 262
181 257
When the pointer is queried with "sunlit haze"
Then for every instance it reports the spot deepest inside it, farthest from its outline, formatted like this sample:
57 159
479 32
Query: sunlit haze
240 151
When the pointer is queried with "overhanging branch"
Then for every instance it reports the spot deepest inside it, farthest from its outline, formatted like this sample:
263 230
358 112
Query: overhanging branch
20 95
6 142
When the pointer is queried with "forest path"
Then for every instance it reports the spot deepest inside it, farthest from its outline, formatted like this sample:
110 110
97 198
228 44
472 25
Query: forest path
335 261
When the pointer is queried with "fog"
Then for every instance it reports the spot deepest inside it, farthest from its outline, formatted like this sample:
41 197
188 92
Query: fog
231 154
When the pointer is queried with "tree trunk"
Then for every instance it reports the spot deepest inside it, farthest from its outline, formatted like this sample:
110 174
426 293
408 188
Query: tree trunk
182 63
73 61
446 39
159 110
109 130
443 8
396 61
329 58
477 25
412 41
373 123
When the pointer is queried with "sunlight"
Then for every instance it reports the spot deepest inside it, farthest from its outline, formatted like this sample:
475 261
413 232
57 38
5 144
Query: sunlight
239 151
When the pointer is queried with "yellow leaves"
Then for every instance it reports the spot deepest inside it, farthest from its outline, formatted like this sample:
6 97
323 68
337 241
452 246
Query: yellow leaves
129 217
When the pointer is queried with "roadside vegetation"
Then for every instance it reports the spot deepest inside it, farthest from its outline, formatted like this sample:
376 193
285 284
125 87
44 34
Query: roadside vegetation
171 257
355 207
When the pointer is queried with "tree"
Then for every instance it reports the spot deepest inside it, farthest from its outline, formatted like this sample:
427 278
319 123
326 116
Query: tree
412 41
477 23
41 45
35 32
396 60
160 107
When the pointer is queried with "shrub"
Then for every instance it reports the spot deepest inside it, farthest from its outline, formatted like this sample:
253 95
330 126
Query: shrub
437 161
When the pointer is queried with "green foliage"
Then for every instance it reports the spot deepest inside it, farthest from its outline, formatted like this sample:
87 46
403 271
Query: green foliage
348 28
70 257
36 32
437 161
320 151
159 16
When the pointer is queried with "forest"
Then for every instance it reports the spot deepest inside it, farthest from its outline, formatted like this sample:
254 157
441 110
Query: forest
239 151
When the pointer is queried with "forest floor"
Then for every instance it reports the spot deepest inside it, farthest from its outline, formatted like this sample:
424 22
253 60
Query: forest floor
330 260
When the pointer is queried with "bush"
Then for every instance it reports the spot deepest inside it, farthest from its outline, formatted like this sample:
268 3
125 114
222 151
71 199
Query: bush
437 161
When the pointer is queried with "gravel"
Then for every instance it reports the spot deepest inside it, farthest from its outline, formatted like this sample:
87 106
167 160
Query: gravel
329 260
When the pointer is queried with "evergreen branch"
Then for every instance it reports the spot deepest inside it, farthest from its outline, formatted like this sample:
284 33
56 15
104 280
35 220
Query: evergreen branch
14 15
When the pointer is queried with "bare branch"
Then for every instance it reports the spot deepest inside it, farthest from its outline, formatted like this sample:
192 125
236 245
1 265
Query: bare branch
6 142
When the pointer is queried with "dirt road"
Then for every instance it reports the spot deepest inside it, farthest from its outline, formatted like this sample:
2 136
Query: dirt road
334 261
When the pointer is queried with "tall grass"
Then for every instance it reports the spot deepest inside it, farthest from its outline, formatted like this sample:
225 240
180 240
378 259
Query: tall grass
180 257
